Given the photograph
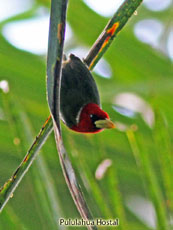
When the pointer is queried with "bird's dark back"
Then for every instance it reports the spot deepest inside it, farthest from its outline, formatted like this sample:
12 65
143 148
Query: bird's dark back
78 88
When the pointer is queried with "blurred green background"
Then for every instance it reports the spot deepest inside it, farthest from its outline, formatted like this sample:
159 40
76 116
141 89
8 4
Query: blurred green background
134 184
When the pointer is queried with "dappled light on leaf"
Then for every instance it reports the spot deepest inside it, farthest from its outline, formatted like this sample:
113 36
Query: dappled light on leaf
143 209
4 86
149 31
104 8
102 168
124 111
121 127
155 33
27 34
157 5
103 69
134 103
14 7
170 45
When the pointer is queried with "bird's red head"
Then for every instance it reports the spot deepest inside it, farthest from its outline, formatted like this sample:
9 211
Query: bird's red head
92 119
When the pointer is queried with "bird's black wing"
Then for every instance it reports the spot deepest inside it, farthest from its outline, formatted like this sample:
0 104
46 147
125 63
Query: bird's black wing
78 88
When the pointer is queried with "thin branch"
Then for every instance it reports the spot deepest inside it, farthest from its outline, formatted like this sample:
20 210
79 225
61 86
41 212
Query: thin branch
9 187
113 27
57 27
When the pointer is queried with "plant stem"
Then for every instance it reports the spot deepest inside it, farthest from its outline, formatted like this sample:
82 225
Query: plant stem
9 187
55 52
113 27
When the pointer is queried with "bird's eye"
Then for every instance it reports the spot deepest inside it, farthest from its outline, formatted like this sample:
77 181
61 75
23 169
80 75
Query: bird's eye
94 118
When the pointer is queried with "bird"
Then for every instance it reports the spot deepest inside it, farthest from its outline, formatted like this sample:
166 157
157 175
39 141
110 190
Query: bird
80 107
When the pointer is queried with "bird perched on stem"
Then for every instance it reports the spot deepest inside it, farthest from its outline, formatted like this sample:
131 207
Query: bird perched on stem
79 99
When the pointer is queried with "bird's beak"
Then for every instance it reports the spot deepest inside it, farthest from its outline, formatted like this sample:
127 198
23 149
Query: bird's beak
104 124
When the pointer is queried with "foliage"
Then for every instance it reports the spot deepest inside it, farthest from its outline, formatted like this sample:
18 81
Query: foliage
141 156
